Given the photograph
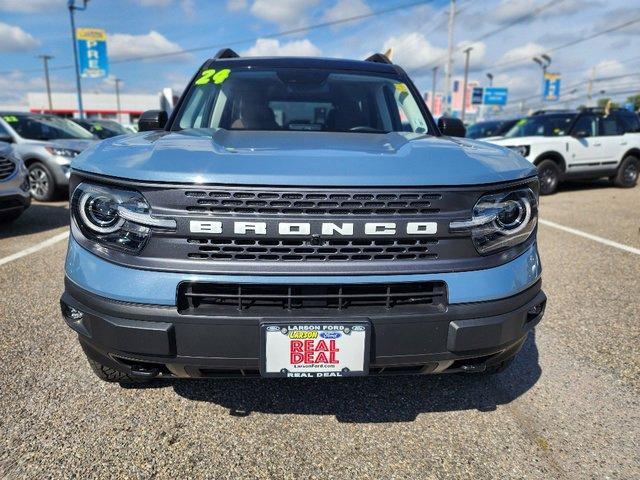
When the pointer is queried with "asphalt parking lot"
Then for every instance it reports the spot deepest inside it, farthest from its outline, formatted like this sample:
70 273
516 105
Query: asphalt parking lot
567 408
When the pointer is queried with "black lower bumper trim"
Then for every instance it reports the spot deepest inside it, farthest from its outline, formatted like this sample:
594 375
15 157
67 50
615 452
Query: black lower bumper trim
199 346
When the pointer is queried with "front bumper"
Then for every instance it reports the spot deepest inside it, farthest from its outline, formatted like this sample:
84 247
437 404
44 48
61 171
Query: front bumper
14 193
151 340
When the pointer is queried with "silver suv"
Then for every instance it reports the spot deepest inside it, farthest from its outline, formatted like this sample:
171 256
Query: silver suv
47 144
14 185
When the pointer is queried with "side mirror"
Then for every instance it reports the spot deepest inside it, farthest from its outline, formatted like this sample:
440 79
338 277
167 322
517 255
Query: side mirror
6 138
152 120
452 127
580 134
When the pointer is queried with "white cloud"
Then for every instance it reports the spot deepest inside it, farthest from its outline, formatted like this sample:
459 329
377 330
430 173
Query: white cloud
236 5
269 47
609 68
14 39
345 9
286 13
523 53
123 46
30 6
413 51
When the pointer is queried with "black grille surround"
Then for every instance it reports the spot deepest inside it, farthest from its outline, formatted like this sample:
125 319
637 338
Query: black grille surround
7 167
207 298
184 251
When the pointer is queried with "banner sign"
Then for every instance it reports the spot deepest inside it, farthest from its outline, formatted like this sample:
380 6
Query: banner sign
551 87
92 52
477 95
495 95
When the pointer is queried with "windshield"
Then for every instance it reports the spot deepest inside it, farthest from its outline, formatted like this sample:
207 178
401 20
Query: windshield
36 127
104 129
483 129
300 100
542 126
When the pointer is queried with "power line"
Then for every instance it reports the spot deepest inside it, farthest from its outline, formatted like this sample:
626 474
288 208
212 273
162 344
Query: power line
214 46
572 43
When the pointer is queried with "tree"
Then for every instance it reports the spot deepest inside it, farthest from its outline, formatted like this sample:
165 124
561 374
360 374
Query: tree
602 103
635 99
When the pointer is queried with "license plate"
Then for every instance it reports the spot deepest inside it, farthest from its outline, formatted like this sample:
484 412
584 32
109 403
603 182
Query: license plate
315 349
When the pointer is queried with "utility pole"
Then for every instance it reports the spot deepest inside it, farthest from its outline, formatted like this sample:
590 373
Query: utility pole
467 52
117 80
449 65
433 89
590 86
72 8
45 59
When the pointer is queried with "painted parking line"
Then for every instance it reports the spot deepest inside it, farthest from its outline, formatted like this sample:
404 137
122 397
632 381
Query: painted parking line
38 246
595 238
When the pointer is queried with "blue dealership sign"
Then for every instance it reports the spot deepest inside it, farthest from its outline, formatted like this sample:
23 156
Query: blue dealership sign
551 87
495 95
92 52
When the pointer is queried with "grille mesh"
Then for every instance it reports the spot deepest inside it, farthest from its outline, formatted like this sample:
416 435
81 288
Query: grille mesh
311 203
7 167
234 249
202 298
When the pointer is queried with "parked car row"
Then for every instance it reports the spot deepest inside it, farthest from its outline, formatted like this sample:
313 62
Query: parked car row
40 148
568 144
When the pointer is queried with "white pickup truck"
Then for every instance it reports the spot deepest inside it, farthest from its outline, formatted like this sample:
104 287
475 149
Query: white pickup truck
590 143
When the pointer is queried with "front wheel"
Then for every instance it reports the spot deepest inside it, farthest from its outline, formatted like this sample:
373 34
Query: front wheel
41 183
549 176
627 175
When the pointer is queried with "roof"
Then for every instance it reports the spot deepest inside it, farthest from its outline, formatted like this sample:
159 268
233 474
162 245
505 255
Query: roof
308 62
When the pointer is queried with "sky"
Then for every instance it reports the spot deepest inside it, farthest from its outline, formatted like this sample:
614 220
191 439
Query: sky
504 34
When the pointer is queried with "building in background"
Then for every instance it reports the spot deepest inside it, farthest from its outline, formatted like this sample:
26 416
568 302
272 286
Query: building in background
96 105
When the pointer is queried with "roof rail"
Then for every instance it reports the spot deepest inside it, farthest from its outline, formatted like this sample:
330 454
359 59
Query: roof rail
378 58
226 53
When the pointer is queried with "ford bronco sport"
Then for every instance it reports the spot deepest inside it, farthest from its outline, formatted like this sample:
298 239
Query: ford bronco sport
300 217
588 144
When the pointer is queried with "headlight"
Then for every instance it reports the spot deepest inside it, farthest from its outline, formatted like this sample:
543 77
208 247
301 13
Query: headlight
114 217
520 149
501 220
62 152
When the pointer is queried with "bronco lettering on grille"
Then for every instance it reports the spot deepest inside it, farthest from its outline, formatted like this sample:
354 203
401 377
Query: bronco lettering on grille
346 229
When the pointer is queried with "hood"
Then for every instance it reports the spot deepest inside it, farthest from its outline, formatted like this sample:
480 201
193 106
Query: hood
302 158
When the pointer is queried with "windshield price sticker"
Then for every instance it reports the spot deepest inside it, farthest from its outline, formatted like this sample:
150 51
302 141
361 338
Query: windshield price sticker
10 118
210 75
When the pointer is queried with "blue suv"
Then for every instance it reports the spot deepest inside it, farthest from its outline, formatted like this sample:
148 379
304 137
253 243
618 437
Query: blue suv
300 217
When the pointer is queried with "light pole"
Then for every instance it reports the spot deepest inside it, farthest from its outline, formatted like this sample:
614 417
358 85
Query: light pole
467 52
544 61
449 65
72 8
117 81
45 59
490 77
433 89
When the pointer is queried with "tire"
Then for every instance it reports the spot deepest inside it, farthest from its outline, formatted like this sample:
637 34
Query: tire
549 176
111 375
628 171
42 183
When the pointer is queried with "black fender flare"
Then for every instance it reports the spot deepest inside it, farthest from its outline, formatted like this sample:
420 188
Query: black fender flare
552 155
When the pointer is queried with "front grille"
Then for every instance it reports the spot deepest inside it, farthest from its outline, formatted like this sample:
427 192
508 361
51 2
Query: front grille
300 250
203 298
7 167
302 202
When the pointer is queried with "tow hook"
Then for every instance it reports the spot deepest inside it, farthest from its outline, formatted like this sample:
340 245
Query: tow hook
481 367
144 372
